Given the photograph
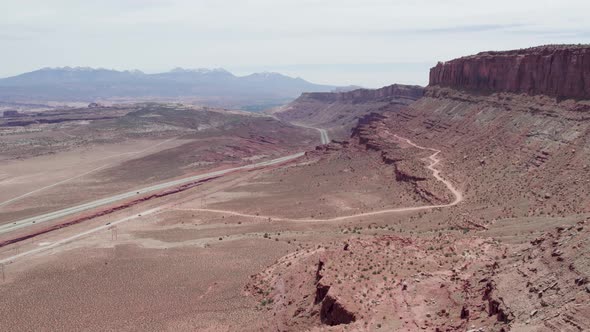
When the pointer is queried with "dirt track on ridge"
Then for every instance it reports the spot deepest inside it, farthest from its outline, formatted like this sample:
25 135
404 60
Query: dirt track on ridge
435 172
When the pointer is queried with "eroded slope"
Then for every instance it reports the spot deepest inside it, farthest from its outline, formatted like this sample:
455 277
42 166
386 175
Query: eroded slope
339 112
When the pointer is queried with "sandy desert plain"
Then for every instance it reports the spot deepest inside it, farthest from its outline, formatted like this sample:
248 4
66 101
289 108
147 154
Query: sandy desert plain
399 209
200 246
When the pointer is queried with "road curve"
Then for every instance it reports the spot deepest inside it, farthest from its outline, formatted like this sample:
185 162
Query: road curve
14 225
434 160
435 172
324 138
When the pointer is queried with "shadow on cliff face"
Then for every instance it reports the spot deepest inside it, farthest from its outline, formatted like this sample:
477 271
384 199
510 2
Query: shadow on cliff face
331 312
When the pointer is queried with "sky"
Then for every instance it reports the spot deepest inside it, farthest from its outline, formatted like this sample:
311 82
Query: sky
370 43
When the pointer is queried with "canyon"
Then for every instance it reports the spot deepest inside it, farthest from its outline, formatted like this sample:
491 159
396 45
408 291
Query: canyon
460 206
518 147
339 112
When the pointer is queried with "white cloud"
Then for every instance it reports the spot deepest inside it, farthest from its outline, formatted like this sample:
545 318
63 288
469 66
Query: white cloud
156 35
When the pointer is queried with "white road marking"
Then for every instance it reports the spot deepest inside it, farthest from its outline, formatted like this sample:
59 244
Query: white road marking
108 200
44 246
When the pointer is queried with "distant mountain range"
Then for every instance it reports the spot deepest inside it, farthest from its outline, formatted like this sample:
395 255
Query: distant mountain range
210 86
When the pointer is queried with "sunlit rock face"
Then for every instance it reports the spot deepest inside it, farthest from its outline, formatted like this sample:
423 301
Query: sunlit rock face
561 71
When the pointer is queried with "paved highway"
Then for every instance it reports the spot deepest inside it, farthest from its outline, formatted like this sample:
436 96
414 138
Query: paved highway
15 225
434 161
75 237
12 226
324 136
325 139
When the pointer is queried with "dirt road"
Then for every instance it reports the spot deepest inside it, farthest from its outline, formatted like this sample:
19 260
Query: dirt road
112 199
434 161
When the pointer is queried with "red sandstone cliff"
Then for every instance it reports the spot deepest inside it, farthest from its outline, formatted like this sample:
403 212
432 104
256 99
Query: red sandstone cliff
561 71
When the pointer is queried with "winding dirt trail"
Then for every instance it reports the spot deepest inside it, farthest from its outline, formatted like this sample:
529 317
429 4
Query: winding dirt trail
436 173
434 161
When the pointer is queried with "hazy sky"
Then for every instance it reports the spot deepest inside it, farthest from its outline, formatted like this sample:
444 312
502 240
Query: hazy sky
365 42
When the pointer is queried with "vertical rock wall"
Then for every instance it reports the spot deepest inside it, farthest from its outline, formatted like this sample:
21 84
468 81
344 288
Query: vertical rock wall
559 71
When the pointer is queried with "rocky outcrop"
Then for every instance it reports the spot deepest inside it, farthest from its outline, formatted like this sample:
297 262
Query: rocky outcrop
363 129
372 134
372 283
561 71
332 312
525 146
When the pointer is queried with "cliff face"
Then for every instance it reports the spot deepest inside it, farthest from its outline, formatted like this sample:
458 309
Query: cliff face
412 92
557 71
